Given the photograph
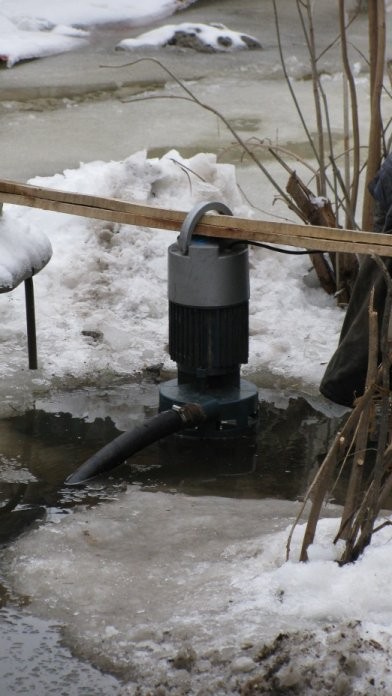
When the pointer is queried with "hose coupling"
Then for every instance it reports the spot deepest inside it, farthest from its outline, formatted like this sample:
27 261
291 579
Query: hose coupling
192 414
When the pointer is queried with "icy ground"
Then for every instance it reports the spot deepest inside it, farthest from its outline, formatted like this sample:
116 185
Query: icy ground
176 594
183 595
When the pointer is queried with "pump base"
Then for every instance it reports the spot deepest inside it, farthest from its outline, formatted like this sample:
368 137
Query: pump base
237 407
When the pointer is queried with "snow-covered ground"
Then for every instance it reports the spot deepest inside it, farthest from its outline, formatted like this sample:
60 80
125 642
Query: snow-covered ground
35 39
90 12
184 595
35 28
111 280
179 594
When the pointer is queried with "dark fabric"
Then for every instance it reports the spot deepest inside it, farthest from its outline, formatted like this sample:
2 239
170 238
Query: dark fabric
344 378
381 190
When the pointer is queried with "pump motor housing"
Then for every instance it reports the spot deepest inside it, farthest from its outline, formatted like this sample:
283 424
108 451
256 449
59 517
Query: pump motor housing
208 308
208 292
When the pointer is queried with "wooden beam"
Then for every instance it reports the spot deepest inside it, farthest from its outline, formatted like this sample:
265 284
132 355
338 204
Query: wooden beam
223 226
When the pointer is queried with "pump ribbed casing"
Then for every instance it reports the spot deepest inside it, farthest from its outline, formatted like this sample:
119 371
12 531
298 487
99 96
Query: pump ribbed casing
208 293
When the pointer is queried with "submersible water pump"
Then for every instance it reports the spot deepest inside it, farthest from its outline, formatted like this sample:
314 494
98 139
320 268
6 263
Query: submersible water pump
208 289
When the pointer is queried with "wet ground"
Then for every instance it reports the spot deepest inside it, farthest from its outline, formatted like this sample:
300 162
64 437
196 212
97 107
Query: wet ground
41 447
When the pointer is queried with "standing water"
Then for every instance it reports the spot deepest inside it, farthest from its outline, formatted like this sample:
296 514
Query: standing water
111 571
146 582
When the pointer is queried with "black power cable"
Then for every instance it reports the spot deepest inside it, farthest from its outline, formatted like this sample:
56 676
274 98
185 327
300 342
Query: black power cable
275 248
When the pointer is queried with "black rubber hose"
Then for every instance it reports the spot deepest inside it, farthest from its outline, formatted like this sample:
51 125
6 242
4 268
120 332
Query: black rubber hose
160 426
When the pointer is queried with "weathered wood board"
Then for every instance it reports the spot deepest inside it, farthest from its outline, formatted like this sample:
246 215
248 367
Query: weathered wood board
224 226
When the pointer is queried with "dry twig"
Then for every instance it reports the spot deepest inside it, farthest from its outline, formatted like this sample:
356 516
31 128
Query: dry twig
362 506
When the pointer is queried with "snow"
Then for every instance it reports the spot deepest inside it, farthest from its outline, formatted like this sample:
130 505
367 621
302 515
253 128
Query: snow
215 37
37 28
18 44
112 280
90 12
24 251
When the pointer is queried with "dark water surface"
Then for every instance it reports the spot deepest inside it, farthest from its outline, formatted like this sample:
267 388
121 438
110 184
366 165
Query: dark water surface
41 448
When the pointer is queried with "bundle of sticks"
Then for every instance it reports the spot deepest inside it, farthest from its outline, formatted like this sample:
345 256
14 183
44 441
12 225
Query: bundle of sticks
364 446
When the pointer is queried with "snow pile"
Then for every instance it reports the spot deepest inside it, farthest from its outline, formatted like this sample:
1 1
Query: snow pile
101 302
28 39
37 28
90 12
201 37
184 593
23 252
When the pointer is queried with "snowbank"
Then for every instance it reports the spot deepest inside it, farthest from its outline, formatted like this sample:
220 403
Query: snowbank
24 44
90 12
23 252
101 302
38 28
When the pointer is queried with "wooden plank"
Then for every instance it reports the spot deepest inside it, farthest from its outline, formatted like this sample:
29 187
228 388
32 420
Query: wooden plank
146 217
222 226
28 193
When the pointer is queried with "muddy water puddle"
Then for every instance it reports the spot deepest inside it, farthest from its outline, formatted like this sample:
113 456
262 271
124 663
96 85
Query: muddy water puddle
44 445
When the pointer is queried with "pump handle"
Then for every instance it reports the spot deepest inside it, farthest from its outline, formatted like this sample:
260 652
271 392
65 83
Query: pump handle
193 218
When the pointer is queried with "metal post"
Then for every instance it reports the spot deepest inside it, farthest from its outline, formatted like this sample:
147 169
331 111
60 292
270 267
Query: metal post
30 320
